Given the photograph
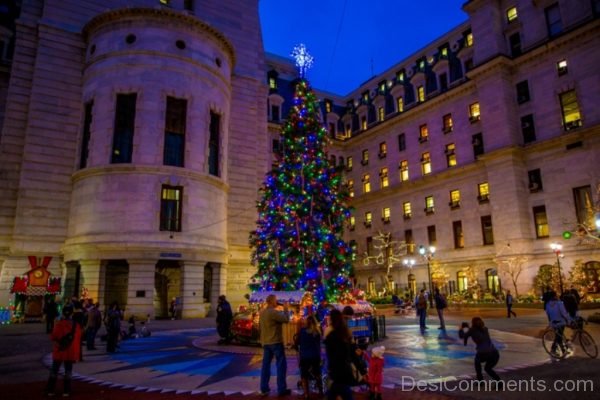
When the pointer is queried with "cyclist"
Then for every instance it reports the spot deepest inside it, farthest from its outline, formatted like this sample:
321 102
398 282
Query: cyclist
559 319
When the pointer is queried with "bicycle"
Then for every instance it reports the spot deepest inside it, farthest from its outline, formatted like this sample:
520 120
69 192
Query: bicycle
560 350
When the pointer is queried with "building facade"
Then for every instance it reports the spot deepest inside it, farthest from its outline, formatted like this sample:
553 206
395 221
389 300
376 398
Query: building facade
134 140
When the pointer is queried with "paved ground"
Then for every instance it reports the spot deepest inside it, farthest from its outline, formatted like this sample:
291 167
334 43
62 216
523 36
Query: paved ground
181 357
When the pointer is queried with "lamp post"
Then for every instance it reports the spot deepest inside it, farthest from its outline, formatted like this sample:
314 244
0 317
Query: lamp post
428 255
409 262
557 248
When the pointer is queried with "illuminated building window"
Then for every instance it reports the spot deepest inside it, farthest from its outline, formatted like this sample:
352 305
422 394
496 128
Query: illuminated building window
363 123
403 170
272 83
410 241
406 210
511 14
165 2
423 133
368 219
571 117
426 163
365 157
382 87
400 104
444 52
382 150
365 97
421 64
400 76
447 124
483 190
541 222
450 155
562 67
366 183
170 208
468 36
462 281
348 130
420 94
352 223
328 106
383 176
350 187
429 205
474 112
349 164
386 214
454 199
381 112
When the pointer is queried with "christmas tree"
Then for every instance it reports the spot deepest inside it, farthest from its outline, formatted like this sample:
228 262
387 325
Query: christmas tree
298 243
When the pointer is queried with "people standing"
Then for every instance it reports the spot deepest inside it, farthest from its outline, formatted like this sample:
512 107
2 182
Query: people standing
173 308
559 318
509 304
66 337
339 348
92 325
571 301
271 338
50 313
224 318
112 322
440 305
486 351
421 303
375 374
309 347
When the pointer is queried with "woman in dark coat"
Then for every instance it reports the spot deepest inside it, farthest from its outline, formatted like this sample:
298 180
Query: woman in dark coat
486 351
339 348
224 318
64 351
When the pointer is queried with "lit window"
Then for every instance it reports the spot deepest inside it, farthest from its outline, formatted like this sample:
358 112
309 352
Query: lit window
511 14
420 94
382 150
352 224
469 39
400 76
454 198
483 190
403 170
474 112
423 133
562 67
328 106
541 222
165 2
406 209
368 218
429 205
386 214
366 183
444 52
351 187
272 83
382 87
383 176
365 157
450 155
425 164
365 97
170 208
447 124
348 130
462 281
363 123
349 164
381 112
400 104
571 116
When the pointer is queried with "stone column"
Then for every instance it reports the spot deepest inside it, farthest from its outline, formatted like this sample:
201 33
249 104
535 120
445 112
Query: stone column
92 278
140 290
219 283
192 287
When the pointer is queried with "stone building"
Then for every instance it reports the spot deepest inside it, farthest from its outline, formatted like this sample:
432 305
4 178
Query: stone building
135 135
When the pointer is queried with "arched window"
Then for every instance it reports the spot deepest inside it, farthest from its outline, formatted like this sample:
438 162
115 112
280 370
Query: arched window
592 274
493 282
462 281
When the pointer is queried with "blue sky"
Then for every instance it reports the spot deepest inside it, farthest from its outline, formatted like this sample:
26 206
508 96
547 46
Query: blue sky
373 34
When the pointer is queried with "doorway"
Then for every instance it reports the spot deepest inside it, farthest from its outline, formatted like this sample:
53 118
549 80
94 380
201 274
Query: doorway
116 280
167 287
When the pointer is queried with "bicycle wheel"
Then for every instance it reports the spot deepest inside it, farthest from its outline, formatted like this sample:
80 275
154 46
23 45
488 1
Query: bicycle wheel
588 344
548 339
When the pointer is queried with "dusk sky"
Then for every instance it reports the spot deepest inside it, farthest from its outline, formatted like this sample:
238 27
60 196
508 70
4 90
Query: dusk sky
373 35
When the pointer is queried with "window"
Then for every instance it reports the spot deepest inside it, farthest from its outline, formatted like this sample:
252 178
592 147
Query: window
511 14
450 155
349 164
383 177
381 113
570 110
431 235
483 190
447 123
400 76
188 5
165 2
352 223
124 128
454 199
400 104
85 137
381 87
275 146
591 271
331 129
423 133
365 157
562 67
528 128
175 124
468 64
328 106
369 245
403 170
382 150
363 123
553 21
492 280
401 142
365 97
213 144
540 220
584 206
468 35
420 94
477 142
170 208
348 130
421 64
523 92
406 210
425 164
443 82
410 241
350 187
462 281
272 83
474 112
535 180
486 230
514 41
386 214
275 113
366 183
429 205
368 219
459 239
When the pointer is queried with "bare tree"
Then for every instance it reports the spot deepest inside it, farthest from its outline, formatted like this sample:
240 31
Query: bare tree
388 252
586 229
511 265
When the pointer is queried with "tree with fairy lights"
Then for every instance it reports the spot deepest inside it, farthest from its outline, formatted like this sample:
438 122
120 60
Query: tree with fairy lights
298 243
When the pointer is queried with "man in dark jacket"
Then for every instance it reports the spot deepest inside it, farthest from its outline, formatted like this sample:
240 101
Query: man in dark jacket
50 313
224 318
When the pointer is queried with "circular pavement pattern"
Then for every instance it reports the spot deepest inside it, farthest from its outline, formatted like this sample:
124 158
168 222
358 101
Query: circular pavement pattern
190 361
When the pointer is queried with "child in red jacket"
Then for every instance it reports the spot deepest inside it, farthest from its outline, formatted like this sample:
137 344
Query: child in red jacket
375 374
66 337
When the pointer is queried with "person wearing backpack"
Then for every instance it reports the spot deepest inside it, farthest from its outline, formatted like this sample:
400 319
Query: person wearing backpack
66 338
440 304
421 303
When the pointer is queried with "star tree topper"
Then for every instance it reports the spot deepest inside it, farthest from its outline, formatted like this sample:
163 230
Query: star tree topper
303 59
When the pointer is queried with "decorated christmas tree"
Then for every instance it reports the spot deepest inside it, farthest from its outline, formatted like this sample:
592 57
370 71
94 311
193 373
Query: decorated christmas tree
298 243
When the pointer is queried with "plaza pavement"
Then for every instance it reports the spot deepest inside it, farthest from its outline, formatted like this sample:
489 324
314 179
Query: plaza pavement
181 357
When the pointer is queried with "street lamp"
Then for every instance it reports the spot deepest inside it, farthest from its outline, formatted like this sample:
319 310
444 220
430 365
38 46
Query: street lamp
409 262
557 248
428 255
